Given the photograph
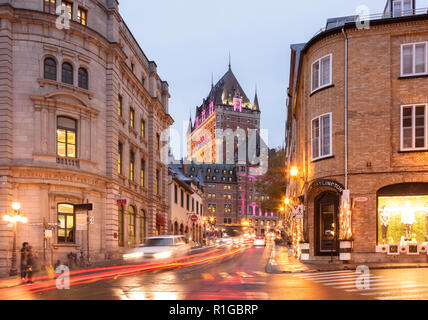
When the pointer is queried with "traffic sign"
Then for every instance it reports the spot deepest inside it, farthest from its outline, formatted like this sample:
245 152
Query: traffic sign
194 218
297 211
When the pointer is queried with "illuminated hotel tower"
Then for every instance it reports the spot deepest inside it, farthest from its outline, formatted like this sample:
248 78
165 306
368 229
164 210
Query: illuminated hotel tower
227 113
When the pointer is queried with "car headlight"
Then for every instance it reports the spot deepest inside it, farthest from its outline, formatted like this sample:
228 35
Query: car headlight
163 255
134 255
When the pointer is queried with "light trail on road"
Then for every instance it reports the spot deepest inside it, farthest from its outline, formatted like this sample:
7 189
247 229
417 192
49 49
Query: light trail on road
86 276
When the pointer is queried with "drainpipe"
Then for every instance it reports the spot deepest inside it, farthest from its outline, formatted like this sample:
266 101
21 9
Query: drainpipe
346 108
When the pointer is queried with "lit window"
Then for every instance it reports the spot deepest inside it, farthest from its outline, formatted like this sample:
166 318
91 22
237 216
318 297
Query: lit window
143 128
131 225
321 137
66 137
132 117
321 72
66 230
414 59
49 6
120 228
82 16
119 107
414 127
142 226
157 182
69 7
131 166
119 158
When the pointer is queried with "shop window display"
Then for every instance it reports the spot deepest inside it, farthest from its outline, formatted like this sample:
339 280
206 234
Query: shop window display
402 219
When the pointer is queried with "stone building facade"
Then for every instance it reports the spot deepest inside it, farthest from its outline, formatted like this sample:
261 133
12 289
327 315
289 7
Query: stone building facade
83 116
357 121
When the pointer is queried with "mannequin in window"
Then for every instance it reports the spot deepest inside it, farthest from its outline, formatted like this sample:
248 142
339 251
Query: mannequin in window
408 219
384 221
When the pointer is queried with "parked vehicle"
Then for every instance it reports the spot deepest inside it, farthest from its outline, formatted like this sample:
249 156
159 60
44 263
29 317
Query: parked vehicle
160 247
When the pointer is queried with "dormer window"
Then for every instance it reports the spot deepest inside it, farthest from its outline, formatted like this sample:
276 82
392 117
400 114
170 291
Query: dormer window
203 115
211 107
402 8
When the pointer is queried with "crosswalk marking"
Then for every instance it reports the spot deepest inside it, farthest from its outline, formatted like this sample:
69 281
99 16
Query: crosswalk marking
375 285
342 275
324 273
379 287
349 281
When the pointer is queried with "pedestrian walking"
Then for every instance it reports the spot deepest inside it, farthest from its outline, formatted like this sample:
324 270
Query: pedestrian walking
24 250
30 264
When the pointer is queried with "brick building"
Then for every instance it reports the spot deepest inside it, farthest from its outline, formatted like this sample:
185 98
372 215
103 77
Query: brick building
357 121
224 147
82 116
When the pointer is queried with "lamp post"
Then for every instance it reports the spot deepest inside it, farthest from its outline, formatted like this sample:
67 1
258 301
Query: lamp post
14 219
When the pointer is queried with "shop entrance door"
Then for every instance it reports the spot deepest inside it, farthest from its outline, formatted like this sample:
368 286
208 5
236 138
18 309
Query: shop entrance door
326 223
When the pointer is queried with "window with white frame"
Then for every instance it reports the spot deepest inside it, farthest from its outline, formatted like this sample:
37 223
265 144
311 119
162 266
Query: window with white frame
402 7
322 136
321 72
414 59
414 124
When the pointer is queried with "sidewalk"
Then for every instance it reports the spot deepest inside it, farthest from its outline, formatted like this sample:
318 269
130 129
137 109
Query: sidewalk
281 261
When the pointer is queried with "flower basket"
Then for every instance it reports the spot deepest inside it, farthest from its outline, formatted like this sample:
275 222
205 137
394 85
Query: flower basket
345 250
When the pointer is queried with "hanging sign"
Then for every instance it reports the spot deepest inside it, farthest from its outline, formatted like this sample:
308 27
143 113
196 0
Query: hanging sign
48 234
297 211
81 221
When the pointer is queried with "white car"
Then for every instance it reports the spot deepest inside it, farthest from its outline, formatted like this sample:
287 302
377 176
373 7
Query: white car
259 241
160 247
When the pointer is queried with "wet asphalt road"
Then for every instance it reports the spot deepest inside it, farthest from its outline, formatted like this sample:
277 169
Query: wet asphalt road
243 277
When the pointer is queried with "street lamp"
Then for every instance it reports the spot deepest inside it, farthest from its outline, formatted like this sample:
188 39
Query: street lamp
287 201
14 219
294 171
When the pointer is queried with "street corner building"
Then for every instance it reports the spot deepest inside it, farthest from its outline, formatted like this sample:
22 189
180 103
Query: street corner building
83 117
357 132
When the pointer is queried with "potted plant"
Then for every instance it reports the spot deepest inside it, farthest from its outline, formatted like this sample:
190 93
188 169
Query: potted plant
345 249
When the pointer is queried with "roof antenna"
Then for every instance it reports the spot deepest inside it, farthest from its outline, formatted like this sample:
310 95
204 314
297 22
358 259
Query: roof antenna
230 64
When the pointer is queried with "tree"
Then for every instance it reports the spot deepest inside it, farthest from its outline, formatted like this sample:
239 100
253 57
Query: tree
273 184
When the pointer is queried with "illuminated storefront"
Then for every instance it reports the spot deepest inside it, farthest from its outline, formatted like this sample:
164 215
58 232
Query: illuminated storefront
402 224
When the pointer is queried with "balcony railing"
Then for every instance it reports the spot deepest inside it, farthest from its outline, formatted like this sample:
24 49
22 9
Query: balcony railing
374 17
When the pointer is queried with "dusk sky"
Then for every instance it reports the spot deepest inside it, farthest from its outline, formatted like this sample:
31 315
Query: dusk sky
191 39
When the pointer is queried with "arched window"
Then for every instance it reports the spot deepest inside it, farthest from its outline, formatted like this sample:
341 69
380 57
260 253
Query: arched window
66 231
131 225
66 137
67 73
120 225
142 226
50 69
83 78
